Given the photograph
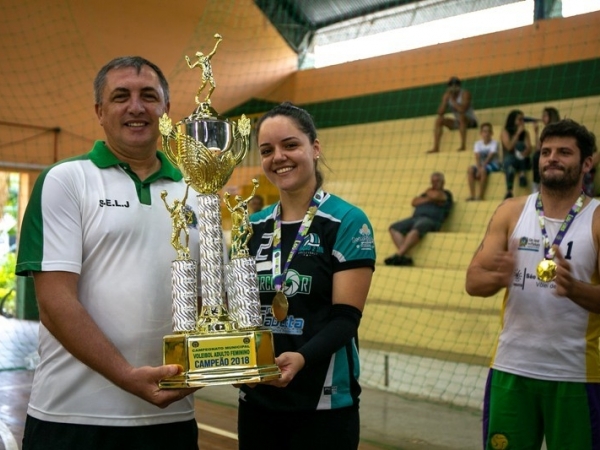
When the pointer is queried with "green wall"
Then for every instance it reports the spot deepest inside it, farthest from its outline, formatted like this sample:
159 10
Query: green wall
571 80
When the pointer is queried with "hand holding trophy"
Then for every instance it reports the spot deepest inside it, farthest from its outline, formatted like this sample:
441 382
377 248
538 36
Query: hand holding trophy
225 345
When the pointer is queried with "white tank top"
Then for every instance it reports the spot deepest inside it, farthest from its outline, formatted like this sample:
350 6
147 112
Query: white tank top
545 336
470 112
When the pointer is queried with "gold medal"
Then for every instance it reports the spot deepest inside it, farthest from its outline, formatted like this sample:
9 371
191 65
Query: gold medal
280 306
546 270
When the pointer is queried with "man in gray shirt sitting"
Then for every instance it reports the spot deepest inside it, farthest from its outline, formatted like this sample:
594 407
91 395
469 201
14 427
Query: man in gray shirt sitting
431 209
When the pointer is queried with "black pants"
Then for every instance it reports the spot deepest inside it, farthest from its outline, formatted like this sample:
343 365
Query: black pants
265 429
42 435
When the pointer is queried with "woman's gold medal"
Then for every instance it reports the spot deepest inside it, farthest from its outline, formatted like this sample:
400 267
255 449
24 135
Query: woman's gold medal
280 306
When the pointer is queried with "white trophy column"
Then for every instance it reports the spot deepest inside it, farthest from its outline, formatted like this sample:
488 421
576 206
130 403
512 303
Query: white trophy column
243 293
211 253
184 293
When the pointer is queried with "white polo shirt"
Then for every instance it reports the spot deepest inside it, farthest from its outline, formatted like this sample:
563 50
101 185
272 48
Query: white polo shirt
91 215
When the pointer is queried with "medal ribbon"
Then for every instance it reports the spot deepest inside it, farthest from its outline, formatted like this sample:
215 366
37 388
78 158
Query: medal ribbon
279 275
548 252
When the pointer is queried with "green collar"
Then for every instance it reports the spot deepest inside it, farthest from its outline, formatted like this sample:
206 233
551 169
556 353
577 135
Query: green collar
102 157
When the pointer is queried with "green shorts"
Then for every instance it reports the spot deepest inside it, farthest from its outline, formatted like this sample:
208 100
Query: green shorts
518 412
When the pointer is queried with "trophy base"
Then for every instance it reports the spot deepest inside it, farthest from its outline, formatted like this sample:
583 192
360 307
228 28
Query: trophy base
239 357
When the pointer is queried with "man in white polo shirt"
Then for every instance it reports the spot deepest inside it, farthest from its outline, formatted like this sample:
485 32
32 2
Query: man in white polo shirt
95 237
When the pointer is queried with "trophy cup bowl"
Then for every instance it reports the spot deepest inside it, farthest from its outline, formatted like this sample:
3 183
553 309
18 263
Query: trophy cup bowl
206 152
220 348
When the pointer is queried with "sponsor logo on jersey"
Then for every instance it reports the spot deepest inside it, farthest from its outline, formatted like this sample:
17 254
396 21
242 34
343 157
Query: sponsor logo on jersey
289 325
499 441
294 283
529 244
311 245
116 203
364 239
329 390
522 275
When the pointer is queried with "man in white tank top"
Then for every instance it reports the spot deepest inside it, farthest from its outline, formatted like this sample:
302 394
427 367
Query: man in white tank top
543 249
457 101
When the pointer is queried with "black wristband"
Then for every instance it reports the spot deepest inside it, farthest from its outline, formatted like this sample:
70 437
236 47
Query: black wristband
342 326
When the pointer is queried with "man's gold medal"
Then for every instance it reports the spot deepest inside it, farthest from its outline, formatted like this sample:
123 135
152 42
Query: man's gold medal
546 270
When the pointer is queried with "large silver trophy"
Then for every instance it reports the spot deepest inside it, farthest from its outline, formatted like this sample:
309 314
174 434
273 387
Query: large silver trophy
223 343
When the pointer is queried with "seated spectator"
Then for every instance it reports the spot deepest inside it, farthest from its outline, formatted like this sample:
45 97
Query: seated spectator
486 161
458 102
516 150
431 209
549 115
255 204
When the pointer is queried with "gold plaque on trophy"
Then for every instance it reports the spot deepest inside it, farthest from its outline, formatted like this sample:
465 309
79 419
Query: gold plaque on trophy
227 343
222 358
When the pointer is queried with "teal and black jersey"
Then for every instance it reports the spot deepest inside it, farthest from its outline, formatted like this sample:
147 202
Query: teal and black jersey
339 238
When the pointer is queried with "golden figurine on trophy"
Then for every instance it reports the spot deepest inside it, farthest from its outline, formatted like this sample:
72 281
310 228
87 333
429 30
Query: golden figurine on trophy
241 230
227 343
207 74
181 217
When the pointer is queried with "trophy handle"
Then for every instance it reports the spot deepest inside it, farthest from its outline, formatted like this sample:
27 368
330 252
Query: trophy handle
241 133
166 148
167 132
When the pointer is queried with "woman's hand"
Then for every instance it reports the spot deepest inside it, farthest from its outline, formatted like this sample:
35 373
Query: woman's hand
290 363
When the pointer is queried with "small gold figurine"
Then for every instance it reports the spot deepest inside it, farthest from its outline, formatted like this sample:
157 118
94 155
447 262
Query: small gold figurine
241 230
181 217
207 75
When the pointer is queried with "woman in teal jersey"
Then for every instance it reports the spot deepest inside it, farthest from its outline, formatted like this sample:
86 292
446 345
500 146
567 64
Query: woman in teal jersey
315 257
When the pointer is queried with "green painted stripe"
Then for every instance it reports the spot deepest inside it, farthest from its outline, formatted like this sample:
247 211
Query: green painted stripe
561 81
